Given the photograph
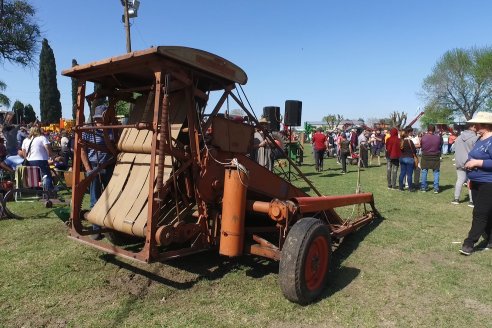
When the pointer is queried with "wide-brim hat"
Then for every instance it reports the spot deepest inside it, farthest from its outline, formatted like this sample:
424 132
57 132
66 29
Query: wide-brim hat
482 117
264 120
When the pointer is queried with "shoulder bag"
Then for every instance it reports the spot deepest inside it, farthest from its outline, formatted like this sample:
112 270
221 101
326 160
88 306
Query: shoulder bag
415 157
26 162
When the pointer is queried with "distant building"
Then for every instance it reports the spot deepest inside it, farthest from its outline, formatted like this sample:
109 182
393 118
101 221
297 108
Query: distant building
343 125
348 124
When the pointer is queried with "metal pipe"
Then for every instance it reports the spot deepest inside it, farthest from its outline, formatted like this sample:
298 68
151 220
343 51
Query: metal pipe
138 126
233 211
257 206
316 204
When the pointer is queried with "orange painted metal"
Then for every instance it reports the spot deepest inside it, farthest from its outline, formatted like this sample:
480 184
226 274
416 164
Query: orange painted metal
316 204
258 206
233 211
316 263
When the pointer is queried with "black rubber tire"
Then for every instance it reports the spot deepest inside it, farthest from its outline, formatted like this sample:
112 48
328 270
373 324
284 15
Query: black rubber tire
292 270
121 239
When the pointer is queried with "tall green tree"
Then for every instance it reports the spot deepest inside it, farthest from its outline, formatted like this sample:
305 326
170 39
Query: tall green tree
461 81
29 114
332 120
18 109
4 100
435 114
19 32
74 92
49 96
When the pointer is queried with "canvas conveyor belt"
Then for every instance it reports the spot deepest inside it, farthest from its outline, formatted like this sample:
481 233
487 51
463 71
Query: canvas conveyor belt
123 205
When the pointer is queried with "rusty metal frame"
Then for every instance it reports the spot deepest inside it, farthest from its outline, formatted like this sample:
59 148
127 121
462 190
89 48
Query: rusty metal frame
283 212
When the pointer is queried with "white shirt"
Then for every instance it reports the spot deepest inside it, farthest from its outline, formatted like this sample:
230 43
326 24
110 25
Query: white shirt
38 152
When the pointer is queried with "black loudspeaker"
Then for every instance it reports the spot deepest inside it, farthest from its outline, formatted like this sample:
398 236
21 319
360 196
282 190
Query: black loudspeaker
272 114
293 111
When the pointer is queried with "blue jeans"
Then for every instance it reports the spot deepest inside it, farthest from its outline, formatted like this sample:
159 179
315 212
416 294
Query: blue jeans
101 181
45 170
423 185
406 169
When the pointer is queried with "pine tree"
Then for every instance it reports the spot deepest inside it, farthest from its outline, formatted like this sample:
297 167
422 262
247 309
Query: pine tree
29 114
74 92
49 96
18 109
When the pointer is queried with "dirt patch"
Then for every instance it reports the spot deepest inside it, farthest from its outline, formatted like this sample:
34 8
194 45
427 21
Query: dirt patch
481 309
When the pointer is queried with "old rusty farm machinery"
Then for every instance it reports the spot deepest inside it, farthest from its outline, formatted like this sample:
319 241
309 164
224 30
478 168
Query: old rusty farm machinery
183 181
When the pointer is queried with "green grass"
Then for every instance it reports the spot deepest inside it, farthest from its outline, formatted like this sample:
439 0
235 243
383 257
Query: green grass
401 271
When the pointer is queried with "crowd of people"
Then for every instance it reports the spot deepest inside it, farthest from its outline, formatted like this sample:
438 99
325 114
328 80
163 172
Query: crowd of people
415 155
32 145
409 157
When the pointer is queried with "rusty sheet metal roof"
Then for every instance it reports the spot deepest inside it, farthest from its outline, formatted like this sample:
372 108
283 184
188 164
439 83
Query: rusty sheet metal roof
137 68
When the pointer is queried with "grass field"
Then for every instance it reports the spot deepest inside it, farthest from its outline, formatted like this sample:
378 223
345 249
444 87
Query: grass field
401 271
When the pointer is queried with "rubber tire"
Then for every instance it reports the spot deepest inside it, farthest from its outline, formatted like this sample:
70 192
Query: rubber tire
121 239
293 259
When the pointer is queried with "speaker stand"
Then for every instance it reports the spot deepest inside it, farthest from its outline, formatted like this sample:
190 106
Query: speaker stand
294 175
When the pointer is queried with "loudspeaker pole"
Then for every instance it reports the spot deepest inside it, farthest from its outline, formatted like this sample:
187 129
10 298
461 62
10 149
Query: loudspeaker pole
127 28
289 147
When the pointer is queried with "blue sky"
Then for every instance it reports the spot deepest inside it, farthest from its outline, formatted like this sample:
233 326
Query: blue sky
360 59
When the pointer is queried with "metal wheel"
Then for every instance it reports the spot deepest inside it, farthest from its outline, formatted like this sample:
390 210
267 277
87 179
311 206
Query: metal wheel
15 202
304 262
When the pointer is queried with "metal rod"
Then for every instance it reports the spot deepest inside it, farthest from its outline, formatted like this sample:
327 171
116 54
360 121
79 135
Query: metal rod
138 126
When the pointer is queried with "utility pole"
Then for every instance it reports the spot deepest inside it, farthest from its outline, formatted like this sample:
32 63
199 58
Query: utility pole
127 27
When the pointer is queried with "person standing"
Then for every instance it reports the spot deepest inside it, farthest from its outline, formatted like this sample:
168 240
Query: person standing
362 140
393 152
93 158
21 135
377 144
65 149
462 146
445 142
353 139
416 169
406 159
261 146
479 172
36 148
344 151
319 148
3 150
431 145
10 135
451 141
